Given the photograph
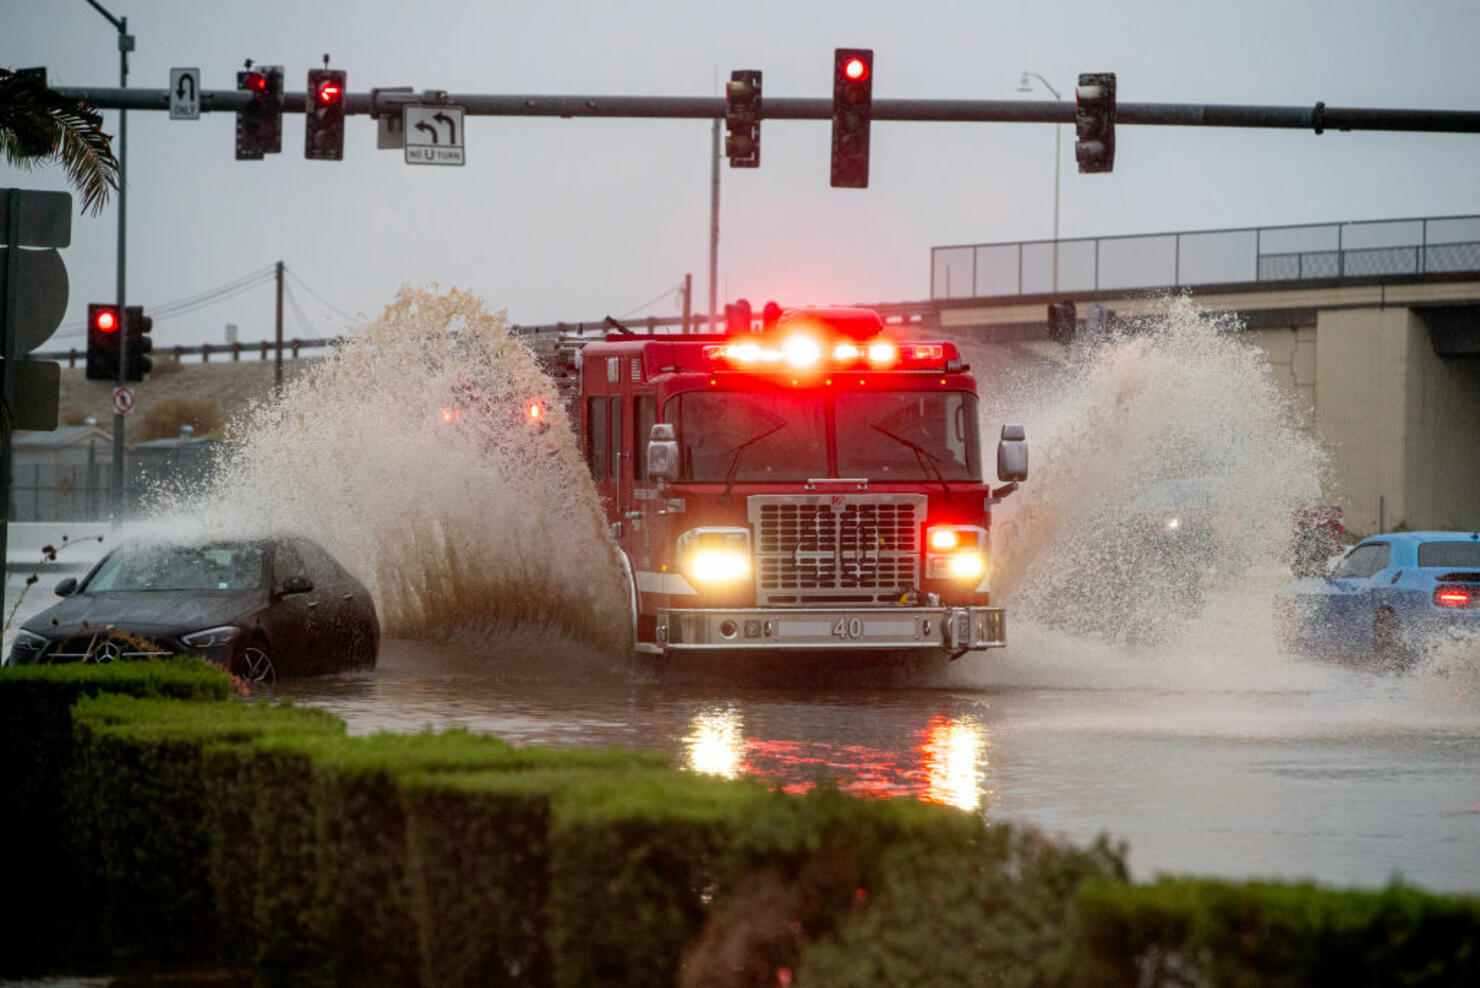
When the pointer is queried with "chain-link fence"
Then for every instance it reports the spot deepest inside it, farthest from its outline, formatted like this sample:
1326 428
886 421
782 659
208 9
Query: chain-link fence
1208 257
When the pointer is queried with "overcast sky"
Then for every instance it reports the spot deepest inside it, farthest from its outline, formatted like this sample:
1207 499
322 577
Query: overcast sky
573 219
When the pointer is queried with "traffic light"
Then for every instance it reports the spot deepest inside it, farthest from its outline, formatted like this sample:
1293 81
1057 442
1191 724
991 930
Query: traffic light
323 136
738 316
743 118
1094 119
259 125
1062 323
103 329
853 110
138 326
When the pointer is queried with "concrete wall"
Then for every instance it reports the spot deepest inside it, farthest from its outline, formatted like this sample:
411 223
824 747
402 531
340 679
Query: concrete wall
1443 445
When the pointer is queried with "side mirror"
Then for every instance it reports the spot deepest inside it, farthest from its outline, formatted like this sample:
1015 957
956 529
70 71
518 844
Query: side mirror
1012 454
67 587
662 452
297 584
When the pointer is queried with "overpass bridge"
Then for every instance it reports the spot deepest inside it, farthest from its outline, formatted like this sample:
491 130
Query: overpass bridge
1374 327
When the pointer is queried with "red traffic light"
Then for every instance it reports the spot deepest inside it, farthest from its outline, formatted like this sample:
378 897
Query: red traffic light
535 410
257 82
106 321
329 93
855 70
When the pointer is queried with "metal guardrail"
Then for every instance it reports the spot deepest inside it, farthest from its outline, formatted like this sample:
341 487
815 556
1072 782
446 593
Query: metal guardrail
1361 249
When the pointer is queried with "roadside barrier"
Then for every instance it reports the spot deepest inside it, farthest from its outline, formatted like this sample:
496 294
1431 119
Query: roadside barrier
150 822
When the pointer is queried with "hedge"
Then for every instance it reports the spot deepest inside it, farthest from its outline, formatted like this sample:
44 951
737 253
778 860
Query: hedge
51 898
260 837
1203 931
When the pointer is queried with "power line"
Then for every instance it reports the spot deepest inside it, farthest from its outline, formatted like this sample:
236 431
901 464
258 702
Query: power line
308 288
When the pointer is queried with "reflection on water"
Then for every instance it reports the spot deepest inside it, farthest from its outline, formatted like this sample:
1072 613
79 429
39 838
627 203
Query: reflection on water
716 745
944 763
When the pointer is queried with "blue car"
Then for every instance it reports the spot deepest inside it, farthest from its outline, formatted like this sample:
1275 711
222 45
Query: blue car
1387 597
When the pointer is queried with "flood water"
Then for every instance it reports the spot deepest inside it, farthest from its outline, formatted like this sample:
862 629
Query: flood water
1149 701
1309 772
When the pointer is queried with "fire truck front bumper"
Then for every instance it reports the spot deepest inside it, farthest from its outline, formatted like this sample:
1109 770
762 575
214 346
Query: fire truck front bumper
770 628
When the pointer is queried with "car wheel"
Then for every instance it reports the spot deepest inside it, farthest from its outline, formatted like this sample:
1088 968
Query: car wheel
256 664
362 649
1387 642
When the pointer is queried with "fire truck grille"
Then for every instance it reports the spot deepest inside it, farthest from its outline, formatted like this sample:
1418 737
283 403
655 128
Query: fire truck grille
836 548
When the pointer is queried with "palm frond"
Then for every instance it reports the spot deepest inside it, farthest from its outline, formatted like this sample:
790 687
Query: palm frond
38 125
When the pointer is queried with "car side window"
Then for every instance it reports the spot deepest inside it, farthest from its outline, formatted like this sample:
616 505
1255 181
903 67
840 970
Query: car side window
1363 561
286 563
318 564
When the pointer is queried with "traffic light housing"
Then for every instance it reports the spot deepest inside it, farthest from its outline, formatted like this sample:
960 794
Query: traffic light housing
743 118
1062 323
323 136
738 316
1094 119
138 326
853 111
104 328
259 125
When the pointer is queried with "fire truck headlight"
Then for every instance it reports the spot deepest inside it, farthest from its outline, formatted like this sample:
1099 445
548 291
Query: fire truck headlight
711 556
955 552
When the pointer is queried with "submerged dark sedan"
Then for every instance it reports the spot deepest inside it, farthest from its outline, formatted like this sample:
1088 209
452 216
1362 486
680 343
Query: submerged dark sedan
261 608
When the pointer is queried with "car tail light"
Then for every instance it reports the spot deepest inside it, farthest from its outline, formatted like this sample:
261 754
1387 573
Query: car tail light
1456 596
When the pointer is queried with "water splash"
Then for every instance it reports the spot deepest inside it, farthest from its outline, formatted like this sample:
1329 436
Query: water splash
409 455
1168 464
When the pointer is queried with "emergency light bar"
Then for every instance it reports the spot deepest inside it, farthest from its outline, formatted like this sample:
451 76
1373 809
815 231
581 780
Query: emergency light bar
804 352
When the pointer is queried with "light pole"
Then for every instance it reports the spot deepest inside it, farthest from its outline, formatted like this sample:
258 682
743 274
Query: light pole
125 45
1025 86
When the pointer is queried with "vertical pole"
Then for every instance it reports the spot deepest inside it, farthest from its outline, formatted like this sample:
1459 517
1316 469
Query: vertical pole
713 224
688 302
125 43
277 369
1057 160
11 316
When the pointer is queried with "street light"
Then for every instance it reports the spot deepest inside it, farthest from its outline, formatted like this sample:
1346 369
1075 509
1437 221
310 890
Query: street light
1026 86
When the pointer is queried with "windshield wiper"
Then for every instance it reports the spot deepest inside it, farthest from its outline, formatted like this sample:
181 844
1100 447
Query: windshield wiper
735 462
926 458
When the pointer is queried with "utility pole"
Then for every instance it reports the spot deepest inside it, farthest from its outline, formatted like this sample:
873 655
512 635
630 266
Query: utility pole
713 224
688 302
125 45
277 367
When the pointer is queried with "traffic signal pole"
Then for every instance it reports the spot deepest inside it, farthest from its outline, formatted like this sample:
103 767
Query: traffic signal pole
123 105
1318 118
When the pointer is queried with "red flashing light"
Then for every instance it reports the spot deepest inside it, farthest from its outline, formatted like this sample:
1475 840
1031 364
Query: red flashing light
329 93
855 69
107 321
1448 596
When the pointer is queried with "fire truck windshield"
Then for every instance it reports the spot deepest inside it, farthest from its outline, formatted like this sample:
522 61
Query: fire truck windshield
729 436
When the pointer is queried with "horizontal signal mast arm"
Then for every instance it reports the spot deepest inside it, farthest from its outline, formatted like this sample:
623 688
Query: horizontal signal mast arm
1319 117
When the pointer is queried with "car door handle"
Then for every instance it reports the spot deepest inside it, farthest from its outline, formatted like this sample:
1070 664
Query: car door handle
312 604
347 596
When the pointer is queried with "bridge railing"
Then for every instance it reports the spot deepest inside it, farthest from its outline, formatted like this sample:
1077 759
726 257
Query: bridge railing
1361 249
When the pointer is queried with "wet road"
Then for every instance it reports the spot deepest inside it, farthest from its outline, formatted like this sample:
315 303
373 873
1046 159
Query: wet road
1204 762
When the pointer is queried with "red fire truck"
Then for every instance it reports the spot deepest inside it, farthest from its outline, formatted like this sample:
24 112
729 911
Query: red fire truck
814 486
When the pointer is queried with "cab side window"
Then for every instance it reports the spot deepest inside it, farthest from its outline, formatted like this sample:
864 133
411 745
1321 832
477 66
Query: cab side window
1363 561
644 412
596 436
614 458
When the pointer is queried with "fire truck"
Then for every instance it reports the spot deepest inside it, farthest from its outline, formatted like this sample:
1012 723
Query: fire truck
809 486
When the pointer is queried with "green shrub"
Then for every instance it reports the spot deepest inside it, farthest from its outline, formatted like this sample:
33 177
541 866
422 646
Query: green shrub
158 835
994 908
49 907
1258 933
